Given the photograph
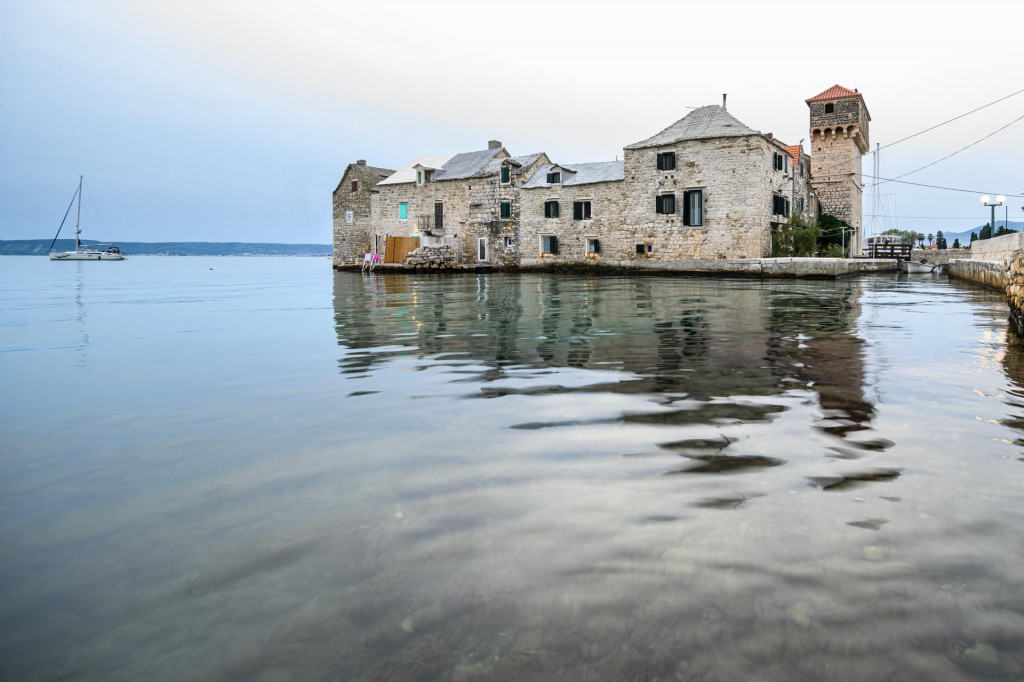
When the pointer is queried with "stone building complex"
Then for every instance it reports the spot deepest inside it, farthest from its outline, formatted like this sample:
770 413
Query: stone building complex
706 187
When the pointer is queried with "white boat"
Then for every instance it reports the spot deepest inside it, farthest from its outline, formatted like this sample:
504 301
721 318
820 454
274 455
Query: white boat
912 268
86 252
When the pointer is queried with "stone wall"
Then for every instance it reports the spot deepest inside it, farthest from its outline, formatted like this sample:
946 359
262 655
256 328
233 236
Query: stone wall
607 201
738 179
1015 290
991 274
838 140
433 258
941 256
351 241
471 211
1004 248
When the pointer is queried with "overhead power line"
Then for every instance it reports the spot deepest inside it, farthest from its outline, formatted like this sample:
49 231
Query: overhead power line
962 148
955 118
948 189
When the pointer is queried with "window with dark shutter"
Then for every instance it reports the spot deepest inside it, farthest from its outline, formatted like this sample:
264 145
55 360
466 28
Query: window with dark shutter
550 209
640 248
505 174
661 161
554 178
506 210
355 185
554 245
785 208
668 161
665 203
581 210
593 246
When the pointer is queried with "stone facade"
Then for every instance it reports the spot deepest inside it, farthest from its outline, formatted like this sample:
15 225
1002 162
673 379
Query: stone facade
839 137
607 204
470 211
352 212
939 256
706 187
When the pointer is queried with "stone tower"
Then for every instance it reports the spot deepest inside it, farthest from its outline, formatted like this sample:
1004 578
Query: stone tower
839 137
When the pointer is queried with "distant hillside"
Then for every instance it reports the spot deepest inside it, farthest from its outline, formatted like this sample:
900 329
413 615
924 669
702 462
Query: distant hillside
38 247
965 236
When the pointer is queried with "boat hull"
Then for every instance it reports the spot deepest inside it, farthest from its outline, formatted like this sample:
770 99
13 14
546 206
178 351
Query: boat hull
912 268
85 255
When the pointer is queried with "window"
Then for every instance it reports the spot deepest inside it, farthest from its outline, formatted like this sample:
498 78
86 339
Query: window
355 185
509 242
419 177
349 218
549 244
403 211
554 178
506 174
801 168
481 249
777 161
693 207
551 209
801 204
665 203
644 249
506 210
780 205
667 161
830 108
593 245
581 210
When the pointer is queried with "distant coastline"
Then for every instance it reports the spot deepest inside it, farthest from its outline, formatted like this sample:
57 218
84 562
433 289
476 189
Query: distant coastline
39 247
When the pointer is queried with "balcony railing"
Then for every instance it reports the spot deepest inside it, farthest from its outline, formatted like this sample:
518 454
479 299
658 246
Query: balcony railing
429 224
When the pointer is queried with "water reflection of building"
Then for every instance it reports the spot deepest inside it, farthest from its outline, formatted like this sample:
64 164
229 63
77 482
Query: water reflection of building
700 337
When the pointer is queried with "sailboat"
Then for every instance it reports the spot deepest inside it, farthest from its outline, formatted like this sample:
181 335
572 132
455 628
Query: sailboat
88 252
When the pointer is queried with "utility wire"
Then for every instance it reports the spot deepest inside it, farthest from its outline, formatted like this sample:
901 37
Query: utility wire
961 149
939 125
881 180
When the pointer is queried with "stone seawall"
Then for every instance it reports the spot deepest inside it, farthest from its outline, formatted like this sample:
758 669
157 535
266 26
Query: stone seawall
808 268
991 274
940 256
1004 248
1015 291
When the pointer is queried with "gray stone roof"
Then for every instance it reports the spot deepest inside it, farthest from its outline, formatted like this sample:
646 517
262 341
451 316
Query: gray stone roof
520 164
465 165
699 124
581 174
366 175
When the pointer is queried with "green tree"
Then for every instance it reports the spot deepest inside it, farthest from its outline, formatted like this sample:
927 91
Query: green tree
940 240
931 239
831 232
956 243
795 238
906 236
920 240
1004 230
974 237
986 232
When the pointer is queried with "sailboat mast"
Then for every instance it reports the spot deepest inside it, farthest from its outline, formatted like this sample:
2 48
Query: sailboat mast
78 218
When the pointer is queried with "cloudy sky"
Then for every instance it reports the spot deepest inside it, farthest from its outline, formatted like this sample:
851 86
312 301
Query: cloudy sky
222 120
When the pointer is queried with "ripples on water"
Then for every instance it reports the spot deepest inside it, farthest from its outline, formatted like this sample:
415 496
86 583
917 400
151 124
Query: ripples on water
267 471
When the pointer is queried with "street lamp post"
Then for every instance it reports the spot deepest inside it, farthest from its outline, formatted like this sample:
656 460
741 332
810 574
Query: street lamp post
985 201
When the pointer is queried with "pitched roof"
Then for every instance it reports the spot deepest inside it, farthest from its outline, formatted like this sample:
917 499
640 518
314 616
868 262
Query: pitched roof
368 175
835 92
520 164
407 173
581 174
699 124
466 164
794 151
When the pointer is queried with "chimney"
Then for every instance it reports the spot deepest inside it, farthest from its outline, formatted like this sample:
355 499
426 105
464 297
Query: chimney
361 162
723 100
494 144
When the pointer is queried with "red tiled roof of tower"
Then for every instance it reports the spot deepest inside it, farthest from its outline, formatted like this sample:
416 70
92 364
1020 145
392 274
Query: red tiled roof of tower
835 92
794 151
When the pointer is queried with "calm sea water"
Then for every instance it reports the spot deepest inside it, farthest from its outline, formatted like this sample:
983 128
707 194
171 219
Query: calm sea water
258 469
